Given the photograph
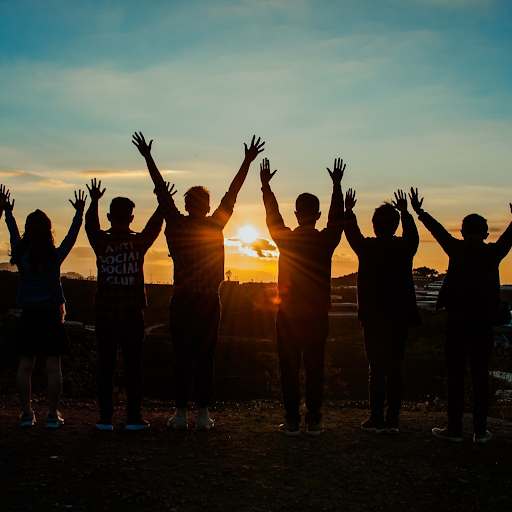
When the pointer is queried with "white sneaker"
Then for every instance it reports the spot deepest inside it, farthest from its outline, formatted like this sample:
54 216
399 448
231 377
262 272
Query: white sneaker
179 420
204 422
54 420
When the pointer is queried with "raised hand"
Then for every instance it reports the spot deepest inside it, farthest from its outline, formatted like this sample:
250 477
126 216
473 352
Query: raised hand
140 143
79 203
5 199
400 202
339 170
254 150
416 203
265 173
350 199
170 188
95 190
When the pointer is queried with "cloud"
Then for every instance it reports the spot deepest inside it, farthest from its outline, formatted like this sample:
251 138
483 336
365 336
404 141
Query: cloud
158 256
259 248
83 252
27 176
344 258
55 183
122 173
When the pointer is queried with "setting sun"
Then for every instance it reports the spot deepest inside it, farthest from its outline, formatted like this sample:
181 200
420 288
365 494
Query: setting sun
247 234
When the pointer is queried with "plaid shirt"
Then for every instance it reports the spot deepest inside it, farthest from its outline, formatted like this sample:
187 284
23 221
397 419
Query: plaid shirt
196 245
120 289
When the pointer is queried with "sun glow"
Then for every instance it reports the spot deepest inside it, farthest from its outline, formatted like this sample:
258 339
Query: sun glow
247 234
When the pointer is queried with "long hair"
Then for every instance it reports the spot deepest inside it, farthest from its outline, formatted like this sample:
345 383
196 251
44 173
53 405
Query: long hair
37 242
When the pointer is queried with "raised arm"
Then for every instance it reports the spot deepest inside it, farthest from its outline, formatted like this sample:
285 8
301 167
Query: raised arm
275 222
409 230
437 230
223 213
336 219
154 225
70 239
92 219
352 231
8 205
504 242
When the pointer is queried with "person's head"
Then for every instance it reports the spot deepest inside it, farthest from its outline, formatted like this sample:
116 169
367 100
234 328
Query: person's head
385 220
37 241
307 209
474 226
121 212
197 201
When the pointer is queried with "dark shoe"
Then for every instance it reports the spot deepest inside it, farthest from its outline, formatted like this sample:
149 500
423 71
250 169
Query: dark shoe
373 426
137 424
27 419
54 420
104 424
391 426
289 429
314 429
482 438
447 434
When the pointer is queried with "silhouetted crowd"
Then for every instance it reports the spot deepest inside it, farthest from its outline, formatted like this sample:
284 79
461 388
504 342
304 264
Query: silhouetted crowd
387 308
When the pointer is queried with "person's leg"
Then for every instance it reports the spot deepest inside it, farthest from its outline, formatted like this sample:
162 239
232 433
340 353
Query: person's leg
182 322
376 357
131 336
54 374
456 353
289 351
24 382
205 342
397 339
315 331
480 350
106 338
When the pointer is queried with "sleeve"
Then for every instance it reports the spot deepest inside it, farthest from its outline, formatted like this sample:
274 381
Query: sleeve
92 224
275 222
445 240
354 236
336 219
410 231
223 213
150 233
70 239
504 242
170 213
13 228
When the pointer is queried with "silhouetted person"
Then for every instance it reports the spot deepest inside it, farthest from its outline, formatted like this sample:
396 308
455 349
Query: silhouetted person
304 287
470 295
196 245
40 330
120 300
386 302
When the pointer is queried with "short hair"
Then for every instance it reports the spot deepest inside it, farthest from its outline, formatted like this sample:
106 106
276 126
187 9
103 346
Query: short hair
385 220
307 204
121 207
197 198
475 225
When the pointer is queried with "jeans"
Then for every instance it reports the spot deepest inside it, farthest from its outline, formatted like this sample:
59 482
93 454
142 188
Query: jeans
302 338
468 337
194 322
385 347
129 334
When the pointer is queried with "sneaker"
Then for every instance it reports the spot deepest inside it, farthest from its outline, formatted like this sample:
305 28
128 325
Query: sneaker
482 438
373 426
137 424
314 429
179 420
54 420
289 429
103 424
447 434
391 427
28 419
204 422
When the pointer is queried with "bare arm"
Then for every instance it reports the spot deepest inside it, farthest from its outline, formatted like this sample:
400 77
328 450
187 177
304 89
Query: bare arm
336 219
409 230
354 236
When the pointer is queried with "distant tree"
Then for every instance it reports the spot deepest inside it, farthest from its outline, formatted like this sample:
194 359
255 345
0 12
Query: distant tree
228 275
425 272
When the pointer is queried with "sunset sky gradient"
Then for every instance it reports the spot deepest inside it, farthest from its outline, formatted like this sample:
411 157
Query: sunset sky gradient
407 92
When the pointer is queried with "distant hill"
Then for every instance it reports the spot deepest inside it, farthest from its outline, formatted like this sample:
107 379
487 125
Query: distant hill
348 280
5 265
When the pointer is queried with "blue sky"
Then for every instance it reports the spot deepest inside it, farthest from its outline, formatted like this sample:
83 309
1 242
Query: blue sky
410 92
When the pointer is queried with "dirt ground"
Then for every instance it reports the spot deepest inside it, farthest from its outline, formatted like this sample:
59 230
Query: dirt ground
243 464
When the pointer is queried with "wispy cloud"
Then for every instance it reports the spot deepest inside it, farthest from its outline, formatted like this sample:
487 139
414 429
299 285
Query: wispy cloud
259 248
